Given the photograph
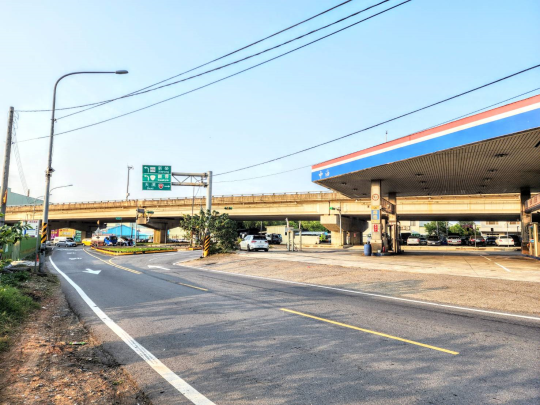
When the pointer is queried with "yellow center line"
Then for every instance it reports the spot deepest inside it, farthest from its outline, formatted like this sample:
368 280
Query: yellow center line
110 263
370 331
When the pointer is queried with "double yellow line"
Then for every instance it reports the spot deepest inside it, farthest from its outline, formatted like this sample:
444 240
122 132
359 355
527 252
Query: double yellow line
110 263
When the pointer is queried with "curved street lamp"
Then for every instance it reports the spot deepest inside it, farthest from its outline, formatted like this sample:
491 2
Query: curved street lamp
37 198
49 170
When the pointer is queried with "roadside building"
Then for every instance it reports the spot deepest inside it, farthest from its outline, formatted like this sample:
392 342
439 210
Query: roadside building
496 228
21 199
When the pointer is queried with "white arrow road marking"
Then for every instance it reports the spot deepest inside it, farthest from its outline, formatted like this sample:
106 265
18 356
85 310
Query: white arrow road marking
74 258
158 267
92 271
182 386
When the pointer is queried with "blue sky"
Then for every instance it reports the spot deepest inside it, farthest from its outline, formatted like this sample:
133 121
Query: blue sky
414 55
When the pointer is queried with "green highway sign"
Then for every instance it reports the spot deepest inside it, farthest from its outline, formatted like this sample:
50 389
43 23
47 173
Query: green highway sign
156 177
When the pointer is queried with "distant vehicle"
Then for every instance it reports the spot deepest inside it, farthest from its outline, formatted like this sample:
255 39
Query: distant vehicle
274 238
124 241
254 242
104 240
476 240
504 240
87 242
403 238
454 239
416 240
434 240
59 239
491 240
67 242
517 239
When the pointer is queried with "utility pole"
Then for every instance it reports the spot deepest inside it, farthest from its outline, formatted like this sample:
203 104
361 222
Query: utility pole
127 188
7 157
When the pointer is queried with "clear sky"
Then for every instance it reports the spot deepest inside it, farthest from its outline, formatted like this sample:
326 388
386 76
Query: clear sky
417 54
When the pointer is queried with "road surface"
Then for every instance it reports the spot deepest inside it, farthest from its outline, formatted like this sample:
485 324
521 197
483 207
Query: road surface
191 336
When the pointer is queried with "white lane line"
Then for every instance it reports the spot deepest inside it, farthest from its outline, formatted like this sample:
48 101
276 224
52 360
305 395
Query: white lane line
157 267
182 386
500 265
164 254
369 294
487 258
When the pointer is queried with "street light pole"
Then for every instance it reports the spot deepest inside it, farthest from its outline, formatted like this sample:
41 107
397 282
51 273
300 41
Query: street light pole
127 189
37 198
49 170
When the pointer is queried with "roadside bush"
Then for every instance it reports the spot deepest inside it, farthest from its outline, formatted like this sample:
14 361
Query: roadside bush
14 279
14 307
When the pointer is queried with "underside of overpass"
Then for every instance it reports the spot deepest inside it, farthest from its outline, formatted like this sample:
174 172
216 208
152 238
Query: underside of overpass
494 152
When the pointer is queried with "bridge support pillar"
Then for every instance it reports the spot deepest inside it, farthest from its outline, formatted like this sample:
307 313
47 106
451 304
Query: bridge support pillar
526 220
350 232
376 225
161 229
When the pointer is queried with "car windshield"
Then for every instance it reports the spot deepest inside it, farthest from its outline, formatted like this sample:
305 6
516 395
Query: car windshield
69 240
433 238
259 238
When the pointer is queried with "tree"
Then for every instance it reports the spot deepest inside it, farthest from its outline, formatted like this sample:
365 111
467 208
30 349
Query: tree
456 229
469 227
436 226
221 227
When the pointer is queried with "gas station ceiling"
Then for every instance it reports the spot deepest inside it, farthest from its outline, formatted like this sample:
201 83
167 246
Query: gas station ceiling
494 152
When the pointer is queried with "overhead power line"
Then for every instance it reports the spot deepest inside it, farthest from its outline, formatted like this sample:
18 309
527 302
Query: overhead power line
442 123
380 123
99 103
260 177
141 92
222 79
15 147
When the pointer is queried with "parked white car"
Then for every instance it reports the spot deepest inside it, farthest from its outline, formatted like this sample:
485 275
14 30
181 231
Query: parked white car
254 242
504 240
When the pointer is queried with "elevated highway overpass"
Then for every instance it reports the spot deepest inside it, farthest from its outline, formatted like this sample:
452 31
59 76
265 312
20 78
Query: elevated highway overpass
295 206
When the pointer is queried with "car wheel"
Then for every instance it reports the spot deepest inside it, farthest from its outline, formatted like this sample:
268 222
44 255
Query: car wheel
266 250
248 248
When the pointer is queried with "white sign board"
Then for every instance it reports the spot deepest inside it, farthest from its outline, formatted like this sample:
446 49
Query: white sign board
33 231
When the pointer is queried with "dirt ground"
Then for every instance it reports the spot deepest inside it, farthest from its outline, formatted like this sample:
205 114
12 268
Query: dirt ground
54 360
484 293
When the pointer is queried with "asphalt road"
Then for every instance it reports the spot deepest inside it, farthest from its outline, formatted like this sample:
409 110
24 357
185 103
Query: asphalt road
231 339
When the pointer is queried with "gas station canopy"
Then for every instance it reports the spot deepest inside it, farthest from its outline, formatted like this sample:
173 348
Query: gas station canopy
497 151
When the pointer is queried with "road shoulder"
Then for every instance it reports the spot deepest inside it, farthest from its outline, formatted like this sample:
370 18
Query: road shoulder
54 359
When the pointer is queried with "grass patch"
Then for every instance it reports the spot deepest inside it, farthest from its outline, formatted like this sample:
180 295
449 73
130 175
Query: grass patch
14 304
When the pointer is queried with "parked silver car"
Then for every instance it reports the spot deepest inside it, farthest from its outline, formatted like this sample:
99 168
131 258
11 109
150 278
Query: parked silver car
454 240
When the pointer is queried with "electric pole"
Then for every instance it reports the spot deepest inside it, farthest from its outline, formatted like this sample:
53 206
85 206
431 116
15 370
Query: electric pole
7 156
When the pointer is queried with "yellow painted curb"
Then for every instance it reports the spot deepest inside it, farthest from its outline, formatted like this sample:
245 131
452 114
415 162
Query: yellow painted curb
107 252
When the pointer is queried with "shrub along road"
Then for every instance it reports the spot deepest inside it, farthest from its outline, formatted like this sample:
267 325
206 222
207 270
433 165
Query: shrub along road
199 336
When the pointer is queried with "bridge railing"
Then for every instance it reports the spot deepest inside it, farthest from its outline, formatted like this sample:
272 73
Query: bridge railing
306 195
